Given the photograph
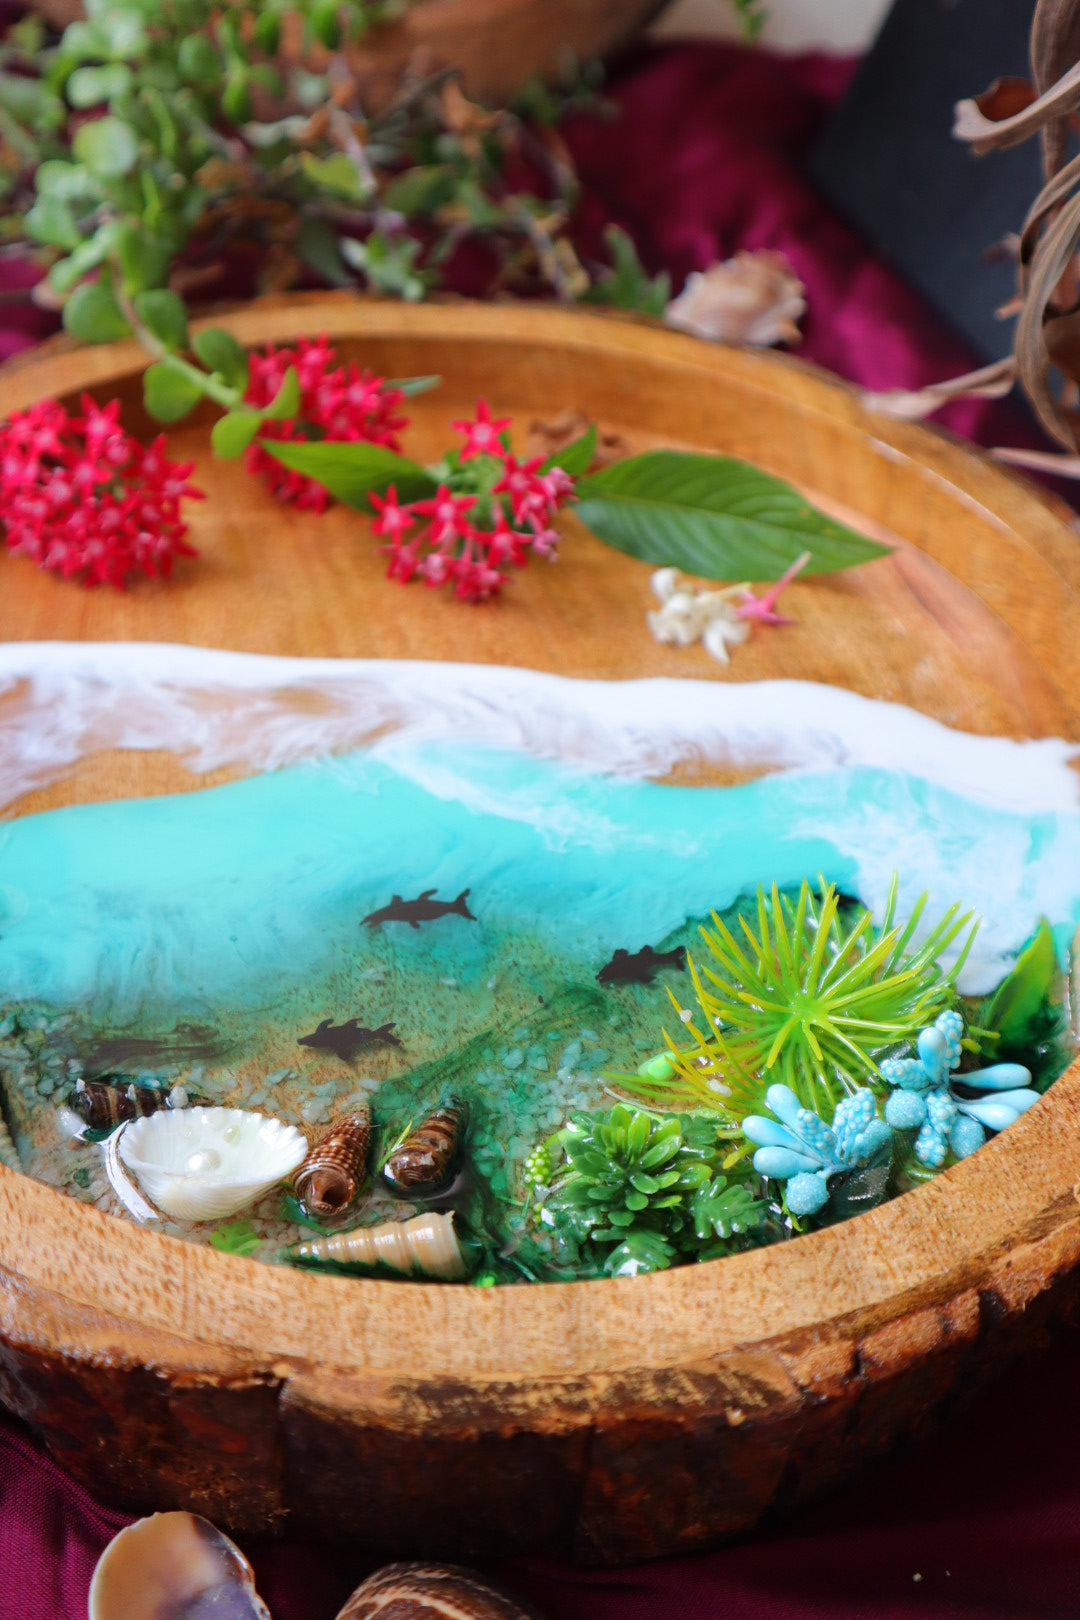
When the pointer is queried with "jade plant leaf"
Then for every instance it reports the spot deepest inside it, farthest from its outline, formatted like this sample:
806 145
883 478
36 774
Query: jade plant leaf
1021 996
350 472
714 517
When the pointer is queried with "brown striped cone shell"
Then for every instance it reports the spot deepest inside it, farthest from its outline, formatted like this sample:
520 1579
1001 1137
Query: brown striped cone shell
330 1178
425 1160
431 1592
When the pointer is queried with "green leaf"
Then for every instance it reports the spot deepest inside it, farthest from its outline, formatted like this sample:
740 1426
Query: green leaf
51 221
350 472
325 24
198 61
93 314
411 386
89 86
232 433
168 391
163 312
337 174
69 181
219 351
575 458
107 146
1020 997
422 190
628 286
30 102
236 98
317 246
286 402
714 517
144 257
268 33
238 1237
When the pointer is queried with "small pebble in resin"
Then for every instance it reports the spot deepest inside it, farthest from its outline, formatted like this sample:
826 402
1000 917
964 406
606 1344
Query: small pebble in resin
431 1592
425 1162
329 1180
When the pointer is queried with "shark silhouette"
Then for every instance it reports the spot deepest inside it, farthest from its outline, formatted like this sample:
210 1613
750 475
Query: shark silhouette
345 1040
424 909
642 967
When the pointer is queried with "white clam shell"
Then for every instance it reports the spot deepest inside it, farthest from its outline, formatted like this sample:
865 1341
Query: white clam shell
201 1164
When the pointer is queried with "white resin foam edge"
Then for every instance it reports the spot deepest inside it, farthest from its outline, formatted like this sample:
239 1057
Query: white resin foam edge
60 701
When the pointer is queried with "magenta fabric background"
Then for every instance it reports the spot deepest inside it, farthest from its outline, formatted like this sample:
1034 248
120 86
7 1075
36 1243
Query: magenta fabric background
986 1521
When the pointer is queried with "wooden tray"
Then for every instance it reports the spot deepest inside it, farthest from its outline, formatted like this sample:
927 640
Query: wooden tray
609 1420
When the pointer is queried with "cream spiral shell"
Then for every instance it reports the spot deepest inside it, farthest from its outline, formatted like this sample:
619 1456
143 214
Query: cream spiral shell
426 1244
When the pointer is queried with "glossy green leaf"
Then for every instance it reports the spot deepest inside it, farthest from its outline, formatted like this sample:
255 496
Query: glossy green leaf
168 392
198 61
219 351
144 257
1021 996
107 146
349 472
51 221
421 190
233 432
714 517
89 86
70 181
163 313
268 32
575 458
93 314
286 402
411 386
337 174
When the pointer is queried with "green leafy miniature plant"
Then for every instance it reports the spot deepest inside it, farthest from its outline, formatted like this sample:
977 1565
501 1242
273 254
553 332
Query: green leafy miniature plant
808 1000
238 1237
640 1192
159 137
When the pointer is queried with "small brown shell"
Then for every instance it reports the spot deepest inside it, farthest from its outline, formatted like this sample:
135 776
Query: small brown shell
431 1592
172 1566
425 1161
330 1178
104 1103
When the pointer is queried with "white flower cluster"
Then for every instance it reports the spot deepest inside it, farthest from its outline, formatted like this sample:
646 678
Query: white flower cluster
690 613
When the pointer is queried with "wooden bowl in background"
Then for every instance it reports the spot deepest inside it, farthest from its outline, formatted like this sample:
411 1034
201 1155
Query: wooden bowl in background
617 1420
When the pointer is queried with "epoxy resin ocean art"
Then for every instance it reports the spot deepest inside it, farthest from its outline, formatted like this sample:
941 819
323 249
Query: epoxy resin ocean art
481 974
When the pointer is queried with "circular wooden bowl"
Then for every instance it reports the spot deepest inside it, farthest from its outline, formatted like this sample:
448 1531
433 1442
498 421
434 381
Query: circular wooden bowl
497 44
609 1420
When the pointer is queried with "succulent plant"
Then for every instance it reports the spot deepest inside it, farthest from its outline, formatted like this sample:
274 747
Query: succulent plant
651 1187
807 1000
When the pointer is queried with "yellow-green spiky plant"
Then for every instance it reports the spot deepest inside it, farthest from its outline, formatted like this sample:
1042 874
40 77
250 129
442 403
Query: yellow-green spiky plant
807 1000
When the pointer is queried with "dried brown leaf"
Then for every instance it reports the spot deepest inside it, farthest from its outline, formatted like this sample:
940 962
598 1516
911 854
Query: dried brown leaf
912 405
546 437
1050 261
1038 460
1055 46
1005 98
984 134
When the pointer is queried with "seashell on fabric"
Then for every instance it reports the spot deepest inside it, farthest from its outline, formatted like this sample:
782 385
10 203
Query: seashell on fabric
202 1164
332 1174
173 1566
426 1244
431 1592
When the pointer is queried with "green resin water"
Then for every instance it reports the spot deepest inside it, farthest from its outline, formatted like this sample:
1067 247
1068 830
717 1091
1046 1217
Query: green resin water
198 937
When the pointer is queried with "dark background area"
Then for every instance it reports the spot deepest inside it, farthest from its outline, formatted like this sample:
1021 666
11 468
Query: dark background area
889 164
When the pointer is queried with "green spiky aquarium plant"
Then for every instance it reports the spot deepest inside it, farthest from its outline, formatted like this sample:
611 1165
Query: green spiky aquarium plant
808 999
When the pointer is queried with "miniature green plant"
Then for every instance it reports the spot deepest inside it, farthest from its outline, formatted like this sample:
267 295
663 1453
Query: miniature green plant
158 137
640 1192
238 1237
807 1000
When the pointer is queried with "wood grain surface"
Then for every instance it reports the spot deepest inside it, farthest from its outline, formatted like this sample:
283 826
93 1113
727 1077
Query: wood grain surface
611 1420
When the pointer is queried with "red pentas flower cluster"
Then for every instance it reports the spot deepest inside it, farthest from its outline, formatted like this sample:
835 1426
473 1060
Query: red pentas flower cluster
80 496
488 513
339 403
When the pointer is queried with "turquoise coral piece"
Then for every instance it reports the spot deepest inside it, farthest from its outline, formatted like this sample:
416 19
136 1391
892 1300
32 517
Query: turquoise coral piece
804 1152
924 1098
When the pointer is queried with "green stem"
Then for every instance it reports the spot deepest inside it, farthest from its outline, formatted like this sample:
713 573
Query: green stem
208 383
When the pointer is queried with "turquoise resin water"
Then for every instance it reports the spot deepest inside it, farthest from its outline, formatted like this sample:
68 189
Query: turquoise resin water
240 909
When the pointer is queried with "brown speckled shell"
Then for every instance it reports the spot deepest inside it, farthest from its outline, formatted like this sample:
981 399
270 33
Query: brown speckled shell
431 1592
331 1176
425 1161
